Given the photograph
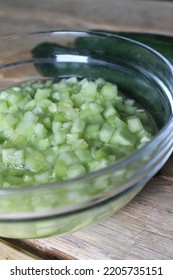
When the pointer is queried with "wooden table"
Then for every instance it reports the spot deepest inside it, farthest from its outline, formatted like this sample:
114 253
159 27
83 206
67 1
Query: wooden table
144 228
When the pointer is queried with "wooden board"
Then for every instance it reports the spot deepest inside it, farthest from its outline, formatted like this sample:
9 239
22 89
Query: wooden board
8 251
125 15
144 228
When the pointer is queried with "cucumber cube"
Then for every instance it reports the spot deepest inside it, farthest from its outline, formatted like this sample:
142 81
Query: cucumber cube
35 161
13 157
134 124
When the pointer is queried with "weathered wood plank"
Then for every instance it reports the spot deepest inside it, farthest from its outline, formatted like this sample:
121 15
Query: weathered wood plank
25 16
8 251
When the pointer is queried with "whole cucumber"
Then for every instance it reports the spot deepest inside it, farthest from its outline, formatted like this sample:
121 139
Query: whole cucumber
93 47
161 43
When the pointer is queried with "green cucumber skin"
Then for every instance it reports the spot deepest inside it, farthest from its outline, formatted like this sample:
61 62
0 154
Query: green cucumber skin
47 50
93 47
161 43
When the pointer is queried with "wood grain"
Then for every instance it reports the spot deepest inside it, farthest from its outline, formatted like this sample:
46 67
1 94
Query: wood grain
144 228
9 251
18 16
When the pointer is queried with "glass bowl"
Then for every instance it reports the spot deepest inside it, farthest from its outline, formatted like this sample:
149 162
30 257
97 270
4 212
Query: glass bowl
139 71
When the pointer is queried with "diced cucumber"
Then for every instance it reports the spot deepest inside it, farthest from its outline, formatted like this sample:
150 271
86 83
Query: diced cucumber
91 131
41 144
59 138
12 180
8 122
89 117
83 155
94 108
8 133
22 102
89 88
78 125
109 111
144 136
80 144
75 170
66 127
13 109
72 138
52 108
109 91
57 95
106 132
42 177
142 115
3 106
25 128
37 85
43 104
13 157
134 124
95 165
59 130
39 130
35 161
30 117
48 83
64 148
56 126
18 140
71 114
69 157
30 105
72 81
60 117
42 93
78 99
122 137
120 123
100 153
28 179
60 169
13 97
47 122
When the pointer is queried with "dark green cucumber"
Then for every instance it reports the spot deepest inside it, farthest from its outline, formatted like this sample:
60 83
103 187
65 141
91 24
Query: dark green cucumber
96 48
86 46
44 51
161 43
